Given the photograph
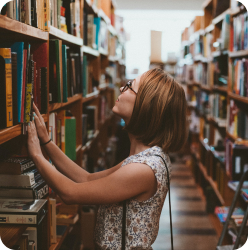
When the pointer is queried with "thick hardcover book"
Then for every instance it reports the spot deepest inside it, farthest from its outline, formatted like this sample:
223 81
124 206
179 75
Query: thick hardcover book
20 211
29 91
43 90
24 84
64 62
6 86
14 87
53 85
97 22
52 127
34 22
18 48
70 137
85 30
38 191
10 9
85 83
16 165
24 180
77 69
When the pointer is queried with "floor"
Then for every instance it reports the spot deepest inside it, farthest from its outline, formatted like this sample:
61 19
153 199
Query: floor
192 229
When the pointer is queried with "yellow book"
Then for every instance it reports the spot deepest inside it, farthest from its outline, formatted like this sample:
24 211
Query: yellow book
6 54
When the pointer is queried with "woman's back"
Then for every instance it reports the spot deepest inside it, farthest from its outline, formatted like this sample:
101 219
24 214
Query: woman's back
142 222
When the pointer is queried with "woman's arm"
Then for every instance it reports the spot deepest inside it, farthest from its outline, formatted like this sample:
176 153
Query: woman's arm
126 182
63 163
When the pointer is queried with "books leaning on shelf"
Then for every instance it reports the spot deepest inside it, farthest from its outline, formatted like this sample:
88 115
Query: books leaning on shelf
26 82
222 213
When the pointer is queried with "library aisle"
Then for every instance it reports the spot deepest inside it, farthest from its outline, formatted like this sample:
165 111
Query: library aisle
192 227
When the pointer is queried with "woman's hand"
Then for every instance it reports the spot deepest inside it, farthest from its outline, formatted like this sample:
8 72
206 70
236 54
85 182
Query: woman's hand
33 142
40 126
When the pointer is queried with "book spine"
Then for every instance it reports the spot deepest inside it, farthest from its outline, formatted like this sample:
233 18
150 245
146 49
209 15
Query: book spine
42 192
26 166
29 91
43 94
6 54
17 219
64 58
14 87
10 11
47 15
23 84
25 180
33 14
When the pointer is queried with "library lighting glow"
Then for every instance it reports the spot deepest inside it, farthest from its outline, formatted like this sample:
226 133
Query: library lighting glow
216 44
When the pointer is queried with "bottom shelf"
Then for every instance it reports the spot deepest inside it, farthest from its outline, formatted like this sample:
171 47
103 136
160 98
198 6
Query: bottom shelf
60 239
10 234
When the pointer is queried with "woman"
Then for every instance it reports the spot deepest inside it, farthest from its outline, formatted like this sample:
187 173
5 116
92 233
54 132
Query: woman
153 107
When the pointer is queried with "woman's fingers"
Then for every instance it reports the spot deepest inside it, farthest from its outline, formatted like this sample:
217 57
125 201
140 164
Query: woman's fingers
37 112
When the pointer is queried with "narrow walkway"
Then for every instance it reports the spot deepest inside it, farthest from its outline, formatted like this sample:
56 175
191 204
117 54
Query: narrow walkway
192 228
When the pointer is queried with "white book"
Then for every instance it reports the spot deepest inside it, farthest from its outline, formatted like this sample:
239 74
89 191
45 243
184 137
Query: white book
18 219
28 12
23 180
10 9
52 126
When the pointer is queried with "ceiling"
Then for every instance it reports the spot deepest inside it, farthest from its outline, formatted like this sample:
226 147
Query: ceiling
159 4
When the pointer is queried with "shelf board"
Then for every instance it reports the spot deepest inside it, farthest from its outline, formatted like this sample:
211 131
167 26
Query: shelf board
90 51
206 88
104 16
103 87
240 53
221 89
211 182
201 58
218 122
79 147
206 3
10 234
90 96
236 139
7 134
102 51
221 17
87 146
238 10
112 30
60 240
209 28
24 31
238 98
66 38
55 106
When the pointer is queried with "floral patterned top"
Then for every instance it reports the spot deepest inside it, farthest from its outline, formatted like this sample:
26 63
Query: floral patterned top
142 218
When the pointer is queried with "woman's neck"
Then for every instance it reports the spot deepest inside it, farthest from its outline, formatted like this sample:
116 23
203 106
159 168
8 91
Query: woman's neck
136 146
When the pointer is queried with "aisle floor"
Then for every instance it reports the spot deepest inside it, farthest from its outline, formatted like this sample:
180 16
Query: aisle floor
192 228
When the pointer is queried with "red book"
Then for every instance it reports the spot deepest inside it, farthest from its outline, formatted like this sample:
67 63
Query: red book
40 56
23 83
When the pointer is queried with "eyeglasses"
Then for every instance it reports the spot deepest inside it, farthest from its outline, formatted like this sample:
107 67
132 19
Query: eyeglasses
128 86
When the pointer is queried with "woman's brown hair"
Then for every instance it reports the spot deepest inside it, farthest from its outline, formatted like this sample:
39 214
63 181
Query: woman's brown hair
159 113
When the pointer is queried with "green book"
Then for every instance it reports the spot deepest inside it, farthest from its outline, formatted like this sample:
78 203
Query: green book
85 84
64 65
70 137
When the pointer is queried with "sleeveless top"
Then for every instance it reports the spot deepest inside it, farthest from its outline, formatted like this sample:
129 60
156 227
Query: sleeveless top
142 217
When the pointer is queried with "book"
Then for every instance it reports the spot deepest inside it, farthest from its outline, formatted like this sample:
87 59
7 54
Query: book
43 90
24 84
53 235
23 180
20 211
38 191
14 87
67 218
70 137
64 58
6 88
97 22
222 213
16 165
52 127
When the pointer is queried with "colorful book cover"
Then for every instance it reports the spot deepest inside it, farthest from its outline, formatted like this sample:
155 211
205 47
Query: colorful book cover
6 54
64 57
70 137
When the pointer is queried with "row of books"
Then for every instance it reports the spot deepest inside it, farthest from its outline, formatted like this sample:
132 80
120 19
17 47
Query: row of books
62 130
236 160
65 75
239 33
239 79
24 78
237 121
218 106
64 15
95 32
222 213
31 12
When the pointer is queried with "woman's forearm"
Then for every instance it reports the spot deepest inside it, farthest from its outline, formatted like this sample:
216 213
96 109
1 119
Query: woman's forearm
64 164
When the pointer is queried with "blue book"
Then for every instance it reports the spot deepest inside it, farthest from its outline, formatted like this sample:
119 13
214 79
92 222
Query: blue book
97 22
18 48
64 66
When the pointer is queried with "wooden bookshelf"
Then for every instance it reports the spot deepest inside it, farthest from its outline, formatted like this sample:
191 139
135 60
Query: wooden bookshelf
103 51
90 96
240 53
11 28
60 240
55 106
206 88
10 234
210 28
221 17
14 131
66 38
238 98
87 146
90 51
221 89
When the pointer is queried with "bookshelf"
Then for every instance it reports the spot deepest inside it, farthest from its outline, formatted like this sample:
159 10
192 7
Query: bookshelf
105 74
215 99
